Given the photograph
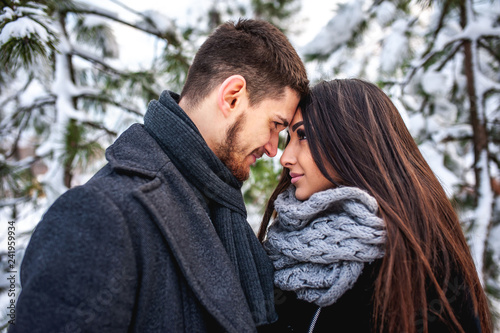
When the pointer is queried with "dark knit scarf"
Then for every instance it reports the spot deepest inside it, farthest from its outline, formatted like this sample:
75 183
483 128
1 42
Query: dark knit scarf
182 142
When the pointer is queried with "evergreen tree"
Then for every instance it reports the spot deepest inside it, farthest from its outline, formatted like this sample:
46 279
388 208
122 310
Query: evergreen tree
63 99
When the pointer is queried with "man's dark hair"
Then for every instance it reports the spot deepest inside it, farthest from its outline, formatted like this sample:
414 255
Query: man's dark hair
254 49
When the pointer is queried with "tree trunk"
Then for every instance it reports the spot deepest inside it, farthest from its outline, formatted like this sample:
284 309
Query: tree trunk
483 199
68 164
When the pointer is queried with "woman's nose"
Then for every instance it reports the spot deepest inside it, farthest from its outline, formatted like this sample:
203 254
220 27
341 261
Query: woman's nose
288 157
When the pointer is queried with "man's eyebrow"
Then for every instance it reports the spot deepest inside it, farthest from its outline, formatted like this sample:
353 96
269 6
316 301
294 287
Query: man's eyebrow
294 127
283 121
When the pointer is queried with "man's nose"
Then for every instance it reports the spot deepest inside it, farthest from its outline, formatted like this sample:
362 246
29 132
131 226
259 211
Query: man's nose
271 147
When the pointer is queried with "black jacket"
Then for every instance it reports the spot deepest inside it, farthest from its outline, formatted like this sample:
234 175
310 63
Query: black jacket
353 311
133 250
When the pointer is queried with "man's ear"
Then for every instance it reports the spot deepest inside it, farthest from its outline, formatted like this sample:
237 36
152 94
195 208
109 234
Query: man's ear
231 94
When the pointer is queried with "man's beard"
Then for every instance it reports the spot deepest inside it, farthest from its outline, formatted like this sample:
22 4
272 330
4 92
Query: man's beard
232 155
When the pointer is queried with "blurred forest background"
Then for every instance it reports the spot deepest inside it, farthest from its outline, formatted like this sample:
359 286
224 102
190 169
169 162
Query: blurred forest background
68 88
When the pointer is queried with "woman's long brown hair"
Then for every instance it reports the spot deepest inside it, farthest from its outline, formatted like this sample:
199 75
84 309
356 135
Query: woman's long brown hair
352 126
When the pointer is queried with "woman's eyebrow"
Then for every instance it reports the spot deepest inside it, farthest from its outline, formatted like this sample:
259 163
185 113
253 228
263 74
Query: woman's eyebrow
294 127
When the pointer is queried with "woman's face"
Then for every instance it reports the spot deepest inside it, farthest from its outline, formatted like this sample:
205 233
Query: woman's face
298 160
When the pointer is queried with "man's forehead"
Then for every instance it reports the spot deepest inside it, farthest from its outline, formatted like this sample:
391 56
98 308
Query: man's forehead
297 117
285 106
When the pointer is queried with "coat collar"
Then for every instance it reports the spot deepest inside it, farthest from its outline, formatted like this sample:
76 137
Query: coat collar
136 152
185 226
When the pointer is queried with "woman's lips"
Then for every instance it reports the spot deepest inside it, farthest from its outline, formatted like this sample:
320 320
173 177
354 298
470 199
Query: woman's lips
295 177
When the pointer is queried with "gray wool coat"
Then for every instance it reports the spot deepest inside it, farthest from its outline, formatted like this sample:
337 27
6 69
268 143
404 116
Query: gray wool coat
133 250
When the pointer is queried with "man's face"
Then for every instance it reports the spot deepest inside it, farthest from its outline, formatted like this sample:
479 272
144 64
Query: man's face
256 132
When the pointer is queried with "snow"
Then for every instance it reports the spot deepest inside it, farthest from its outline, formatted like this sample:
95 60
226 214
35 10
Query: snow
21 28
339 29
455 131
416 124
64 90
402 111
446 36
385 13
445 114
94 21
436 83
485 84
483 215
477 29
395 47
254 217
96 6
160 21
7 14
494 239
102 26
34 91
484 209
39 11
434 158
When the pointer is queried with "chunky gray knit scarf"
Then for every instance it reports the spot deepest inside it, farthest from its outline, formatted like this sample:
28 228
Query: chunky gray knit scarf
319 246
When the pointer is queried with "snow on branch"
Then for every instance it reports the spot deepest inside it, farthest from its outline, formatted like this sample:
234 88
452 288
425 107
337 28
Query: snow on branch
438 28
83 7
478 29
485 84
482 215
156 20
395 46
13 201
25 22
91 58
104 99
340 29
434 158
422 62
167 35
490 50
11 121
37 10
474 31
100 127
150 19
26 35
23 27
